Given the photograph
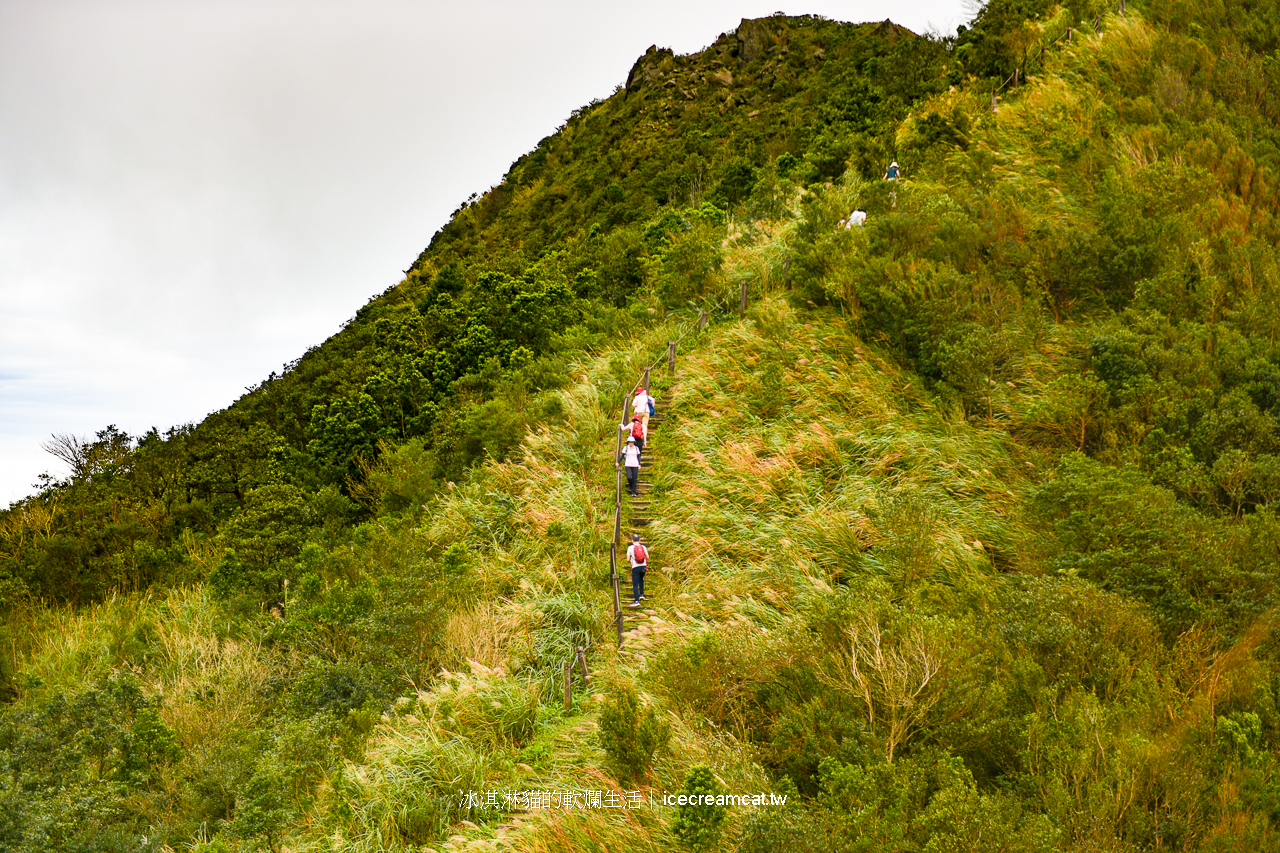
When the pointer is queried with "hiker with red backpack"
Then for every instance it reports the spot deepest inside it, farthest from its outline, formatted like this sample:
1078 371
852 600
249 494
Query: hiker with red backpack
639 557
637 432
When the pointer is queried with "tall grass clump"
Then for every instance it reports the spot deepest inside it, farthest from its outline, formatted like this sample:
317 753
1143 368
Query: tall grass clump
630 734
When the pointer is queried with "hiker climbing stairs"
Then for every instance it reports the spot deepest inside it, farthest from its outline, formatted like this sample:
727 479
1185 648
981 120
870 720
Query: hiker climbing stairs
634 619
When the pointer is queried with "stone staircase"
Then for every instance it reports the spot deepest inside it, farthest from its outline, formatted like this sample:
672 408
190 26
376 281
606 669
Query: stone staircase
637 622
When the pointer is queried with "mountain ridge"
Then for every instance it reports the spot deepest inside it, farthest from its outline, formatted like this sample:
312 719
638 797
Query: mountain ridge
965 530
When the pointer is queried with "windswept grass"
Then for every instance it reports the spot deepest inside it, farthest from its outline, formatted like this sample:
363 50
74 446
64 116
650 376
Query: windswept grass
852 472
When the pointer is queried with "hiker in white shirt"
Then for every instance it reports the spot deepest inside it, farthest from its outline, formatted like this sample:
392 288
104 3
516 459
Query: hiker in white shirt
639 557
630 460
640 406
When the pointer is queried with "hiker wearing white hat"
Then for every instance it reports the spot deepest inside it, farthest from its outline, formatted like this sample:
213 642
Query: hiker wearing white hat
630 460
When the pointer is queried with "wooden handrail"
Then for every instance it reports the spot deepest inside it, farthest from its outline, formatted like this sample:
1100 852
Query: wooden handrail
615 545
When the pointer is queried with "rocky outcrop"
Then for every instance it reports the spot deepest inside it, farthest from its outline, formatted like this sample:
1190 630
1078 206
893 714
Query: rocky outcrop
723 65
650 67
757 36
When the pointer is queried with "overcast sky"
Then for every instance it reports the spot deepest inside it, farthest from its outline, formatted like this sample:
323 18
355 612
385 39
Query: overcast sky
193 192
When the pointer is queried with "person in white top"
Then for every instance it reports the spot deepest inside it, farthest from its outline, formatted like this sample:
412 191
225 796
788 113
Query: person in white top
631 461
856 218
639 557
640 406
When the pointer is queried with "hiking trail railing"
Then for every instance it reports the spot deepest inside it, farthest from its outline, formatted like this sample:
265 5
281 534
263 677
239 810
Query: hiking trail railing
643 381
578 660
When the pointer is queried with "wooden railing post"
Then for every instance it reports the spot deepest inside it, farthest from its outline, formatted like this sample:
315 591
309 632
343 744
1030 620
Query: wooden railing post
613 562
617 455
646 380
742 307
568 686
617 609
993 99
671 358
582 665
702 320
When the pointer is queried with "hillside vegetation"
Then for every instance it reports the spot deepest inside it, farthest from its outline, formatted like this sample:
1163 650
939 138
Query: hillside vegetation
964 537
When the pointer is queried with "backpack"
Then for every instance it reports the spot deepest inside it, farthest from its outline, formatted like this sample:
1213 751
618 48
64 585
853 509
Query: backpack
637 430
651 409
641 555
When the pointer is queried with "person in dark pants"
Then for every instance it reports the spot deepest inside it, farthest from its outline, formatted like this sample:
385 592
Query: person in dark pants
637 432
631 461
639 557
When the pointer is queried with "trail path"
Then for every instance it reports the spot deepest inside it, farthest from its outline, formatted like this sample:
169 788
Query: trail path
635 626
639 622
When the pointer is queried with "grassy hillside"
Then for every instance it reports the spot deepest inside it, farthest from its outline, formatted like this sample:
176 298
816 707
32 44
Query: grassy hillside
623 206
963 539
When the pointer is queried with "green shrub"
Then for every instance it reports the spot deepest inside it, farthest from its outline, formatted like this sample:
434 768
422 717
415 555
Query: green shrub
699 826
630 735
337 687
262 541
789 829
260 810
1112 526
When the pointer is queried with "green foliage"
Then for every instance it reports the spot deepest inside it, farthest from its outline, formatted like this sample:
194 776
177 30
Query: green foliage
262 541
1240 734
411 793
1000 38
1070 635
79 769
1115 528
631 735
260 811
931 803
973 546
699 824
